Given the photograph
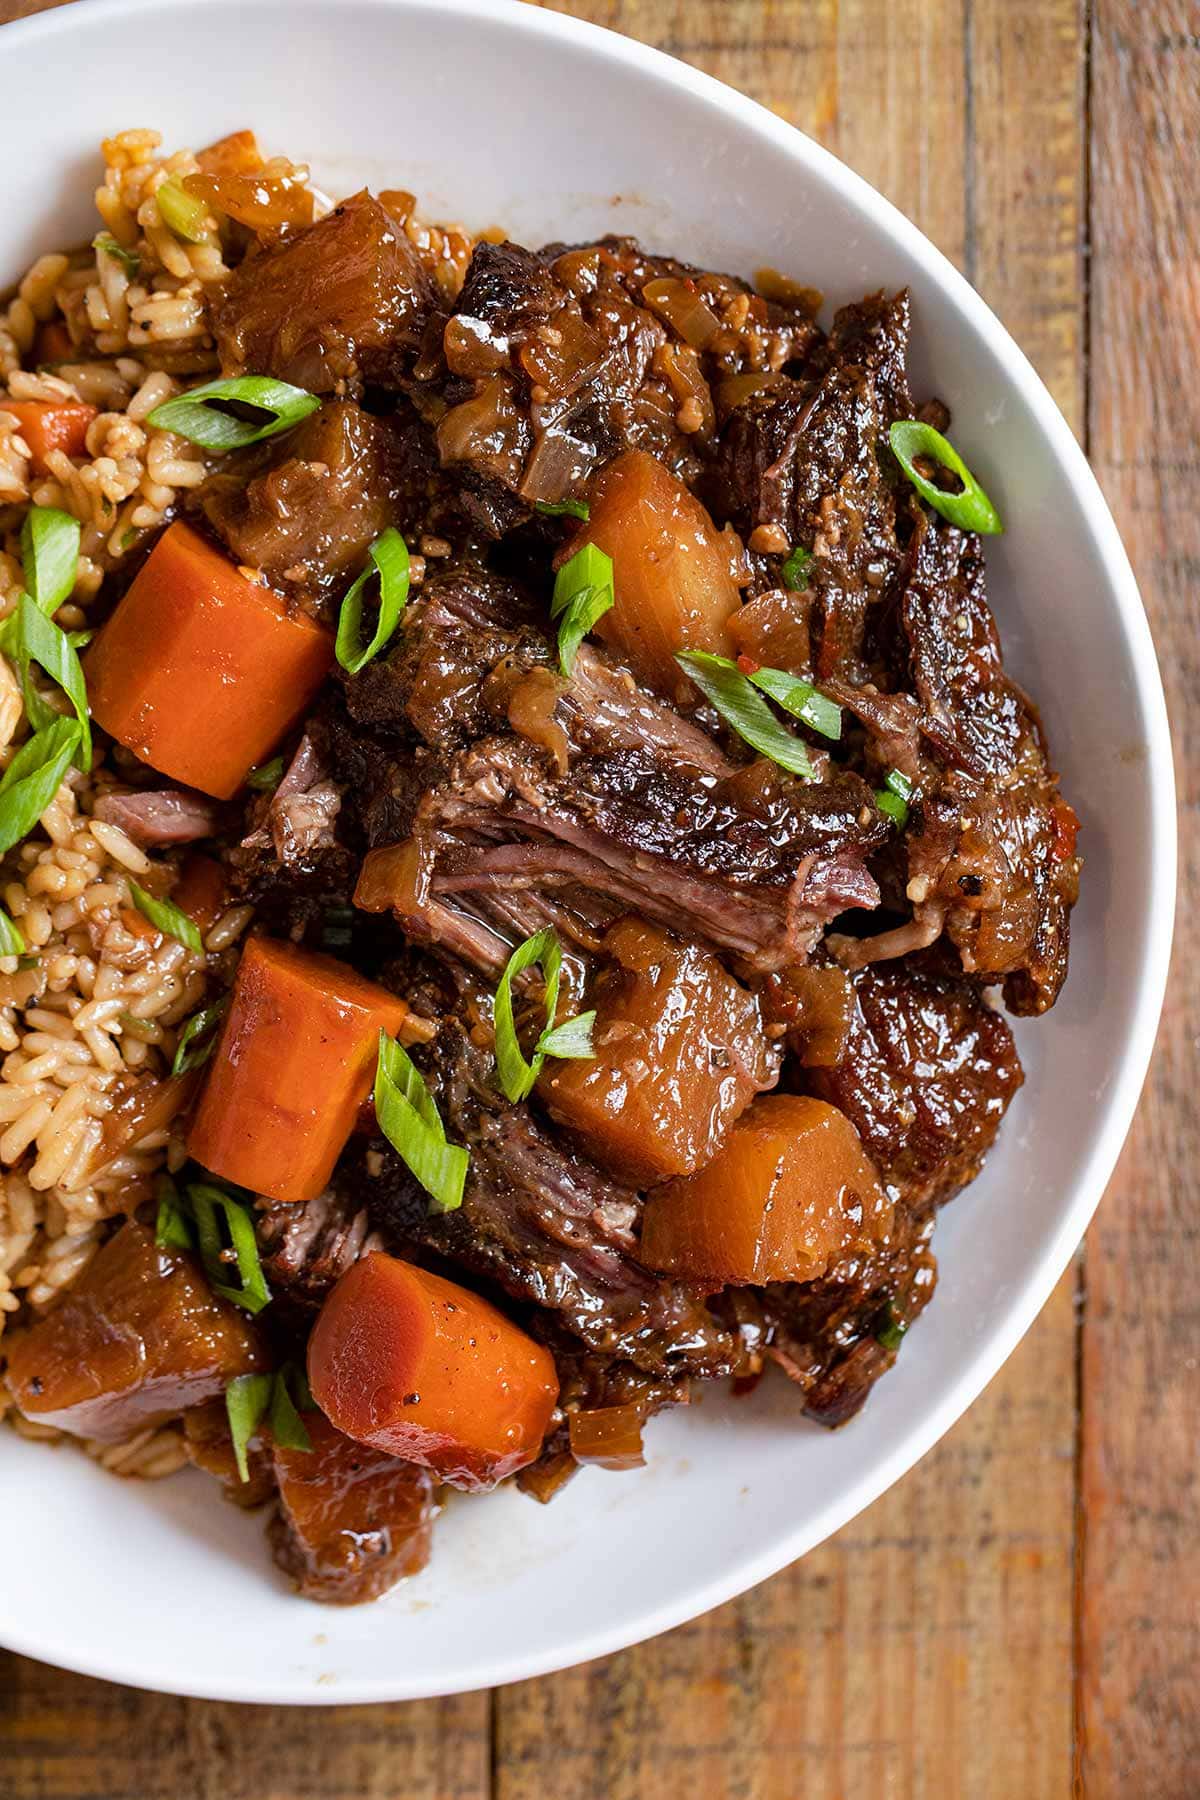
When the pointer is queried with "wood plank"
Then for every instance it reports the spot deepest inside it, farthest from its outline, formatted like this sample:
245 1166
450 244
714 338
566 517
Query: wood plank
1140 1624
63 1737
927 1650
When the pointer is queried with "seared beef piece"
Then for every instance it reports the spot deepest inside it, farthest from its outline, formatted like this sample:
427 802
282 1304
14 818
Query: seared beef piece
803 454
755 871
434 682
991 855
327 305
305 1249
601 707
157 816
558 361
837 1336
926 1077
292 844
322 495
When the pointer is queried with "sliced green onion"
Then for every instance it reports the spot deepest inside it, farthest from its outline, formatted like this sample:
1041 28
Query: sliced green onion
49 556
337 928
410 1121
267 776
971 510
183 213
802 700
11 941
387 558
743 708
201 1025
891 1329
287 1427
106 243
38 639
893 797
166 916
583 593
563 509
198 415
28 962
172 1227
211 1204
78 640
572 1040
795 567
516 1075
246 1401
32 779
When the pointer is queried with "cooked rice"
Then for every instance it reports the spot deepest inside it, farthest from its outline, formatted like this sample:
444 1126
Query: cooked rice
103 1005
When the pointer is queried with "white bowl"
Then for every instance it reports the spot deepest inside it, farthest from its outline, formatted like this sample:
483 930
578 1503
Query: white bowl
502 113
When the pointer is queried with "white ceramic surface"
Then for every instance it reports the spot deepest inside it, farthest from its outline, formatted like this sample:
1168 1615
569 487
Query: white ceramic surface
492 112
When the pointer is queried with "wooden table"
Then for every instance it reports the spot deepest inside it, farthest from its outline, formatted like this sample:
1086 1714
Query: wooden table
1020 1617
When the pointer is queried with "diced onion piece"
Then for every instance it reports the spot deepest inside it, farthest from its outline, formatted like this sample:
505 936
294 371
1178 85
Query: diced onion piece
790 1192
672 574
609 1436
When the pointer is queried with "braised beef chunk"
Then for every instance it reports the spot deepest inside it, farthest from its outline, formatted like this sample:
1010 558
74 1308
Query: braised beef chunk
926 1076
755 870
304 1248
806 456
556 362
991 857
327 491
327 305
835 1337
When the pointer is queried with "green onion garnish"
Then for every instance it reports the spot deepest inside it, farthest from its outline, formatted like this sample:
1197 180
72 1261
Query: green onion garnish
11 941
287 1427
802 700
234 1248
410 1121
795 567
166 917
78 640
267 776
971 510
563 509
387 558
742 707
246 1400
573 1038
249 1398
190 1053
38 639
198 415
181 212
583 593
32 779
106 243
894 796
49 556
172 1227
337 928
891 1328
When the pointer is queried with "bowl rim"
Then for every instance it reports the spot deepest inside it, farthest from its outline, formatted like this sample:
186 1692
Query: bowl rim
757 1564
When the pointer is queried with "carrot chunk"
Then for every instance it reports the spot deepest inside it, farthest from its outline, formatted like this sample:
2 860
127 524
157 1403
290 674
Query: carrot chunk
139 1337
48 425
295 1060
201 672
424 1369
52 343
672 576
790 1192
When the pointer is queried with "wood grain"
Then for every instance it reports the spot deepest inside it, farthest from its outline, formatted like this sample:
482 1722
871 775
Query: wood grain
1140 1620
935 1648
